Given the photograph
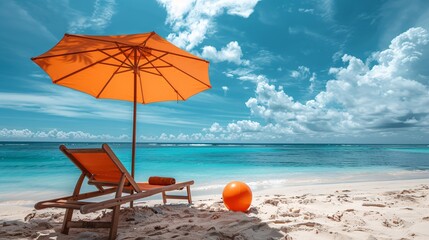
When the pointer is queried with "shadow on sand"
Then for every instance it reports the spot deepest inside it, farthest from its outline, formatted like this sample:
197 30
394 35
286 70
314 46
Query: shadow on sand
177 221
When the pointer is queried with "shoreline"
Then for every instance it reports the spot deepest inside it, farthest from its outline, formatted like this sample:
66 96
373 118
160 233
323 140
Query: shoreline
215 187
361 210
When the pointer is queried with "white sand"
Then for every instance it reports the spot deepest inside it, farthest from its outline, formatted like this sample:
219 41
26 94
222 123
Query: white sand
372 210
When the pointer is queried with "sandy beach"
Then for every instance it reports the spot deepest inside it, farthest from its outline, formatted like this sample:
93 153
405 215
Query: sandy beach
365 210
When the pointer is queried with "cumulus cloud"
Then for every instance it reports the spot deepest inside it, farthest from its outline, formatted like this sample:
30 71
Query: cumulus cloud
304 73
244 130
54 134
231 53
187 137
215 128
387 92
235 127
239 130
379 96
244 126
99 19
191 20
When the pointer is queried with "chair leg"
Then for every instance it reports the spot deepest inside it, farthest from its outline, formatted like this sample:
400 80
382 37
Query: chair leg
188 190
67 218
164 198
116 209
69 212
115 221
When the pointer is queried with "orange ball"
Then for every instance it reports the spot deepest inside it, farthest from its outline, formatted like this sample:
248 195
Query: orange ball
237 196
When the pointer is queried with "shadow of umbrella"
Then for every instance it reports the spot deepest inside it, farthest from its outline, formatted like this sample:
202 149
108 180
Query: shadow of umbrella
159 222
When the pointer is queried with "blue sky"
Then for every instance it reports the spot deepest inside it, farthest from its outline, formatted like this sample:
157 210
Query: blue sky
316 71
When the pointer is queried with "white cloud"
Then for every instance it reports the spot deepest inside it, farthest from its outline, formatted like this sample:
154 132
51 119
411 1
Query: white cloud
312 82
390 94
383 96
63 102
304 73
245 74
15 133
301 72
246 71
306 10
231 53
243 126
99 19
191 20
235 127
229 74
54 134
195 137
253 77
225 89
245 130
215 128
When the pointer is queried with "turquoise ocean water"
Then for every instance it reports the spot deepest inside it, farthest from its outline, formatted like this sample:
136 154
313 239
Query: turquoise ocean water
35 171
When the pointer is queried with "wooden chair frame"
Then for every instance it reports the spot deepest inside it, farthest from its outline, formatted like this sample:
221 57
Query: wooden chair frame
125 184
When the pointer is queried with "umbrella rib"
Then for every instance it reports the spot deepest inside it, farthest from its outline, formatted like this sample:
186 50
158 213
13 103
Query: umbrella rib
156 67
127 57
108 81
177 54
140 56
71 53
122 62
171 65
186 73
145 41
156 58
111 64
171 86
166 80
150 72
138 72
124 71
111 77
80 70
141 88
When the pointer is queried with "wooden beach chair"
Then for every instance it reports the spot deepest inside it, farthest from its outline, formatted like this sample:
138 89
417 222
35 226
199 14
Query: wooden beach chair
106 172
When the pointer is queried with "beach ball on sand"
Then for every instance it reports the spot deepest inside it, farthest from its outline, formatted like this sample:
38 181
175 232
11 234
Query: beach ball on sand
237 196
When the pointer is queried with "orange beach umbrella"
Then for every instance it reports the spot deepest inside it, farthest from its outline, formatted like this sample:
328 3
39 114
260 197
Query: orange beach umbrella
141 68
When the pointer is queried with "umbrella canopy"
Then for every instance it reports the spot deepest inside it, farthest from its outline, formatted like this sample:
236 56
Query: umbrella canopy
141 68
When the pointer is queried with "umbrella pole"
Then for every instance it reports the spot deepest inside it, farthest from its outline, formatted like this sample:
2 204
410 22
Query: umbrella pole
133 156
134 145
